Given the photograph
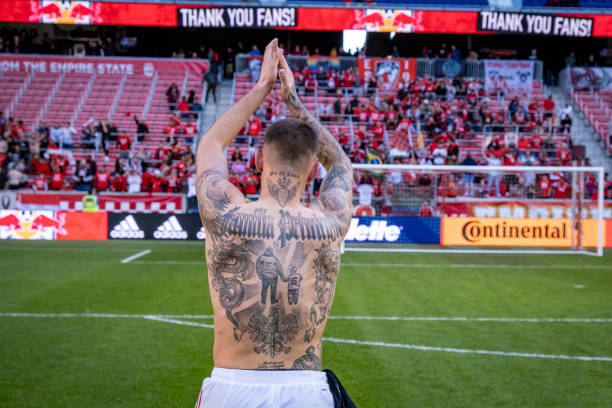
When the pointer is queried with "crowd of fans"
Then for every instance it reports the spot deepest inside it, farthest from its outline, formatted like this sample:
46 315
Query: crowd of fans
438 121
423 121
44 159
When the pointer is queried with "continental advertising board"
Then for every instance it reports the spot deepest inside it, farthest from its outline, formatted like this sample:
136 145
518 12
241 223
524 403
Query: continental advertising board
513 232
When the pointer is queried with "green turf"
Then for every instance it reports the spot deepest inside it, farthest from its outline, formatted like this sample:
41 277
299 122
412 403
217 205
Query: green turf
134 362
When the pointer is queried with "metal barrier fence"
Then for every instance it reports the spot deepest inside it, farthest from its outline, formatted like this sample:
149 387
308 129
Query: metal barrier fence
425 66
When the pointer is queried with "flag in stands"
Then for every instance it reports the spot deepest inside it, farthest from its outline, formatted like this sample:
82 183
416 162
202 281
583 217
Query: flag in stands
323 64
401 140
373 158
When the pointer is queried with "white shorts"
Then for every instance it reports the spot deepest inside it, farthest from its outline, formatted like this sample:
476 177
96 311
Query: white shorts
265 389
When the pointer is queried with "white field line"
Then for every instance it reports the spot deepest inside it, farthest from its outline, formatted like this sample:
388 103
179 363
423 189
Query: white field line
476 319
169 262
35 248
107 315
419 347
384 318
473 266
466 351
138 255
418 266
180 322
172 319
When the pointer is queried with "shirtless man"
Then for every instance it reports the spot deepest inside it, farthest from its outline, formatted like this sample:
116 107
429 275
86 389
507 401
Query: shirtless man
267 350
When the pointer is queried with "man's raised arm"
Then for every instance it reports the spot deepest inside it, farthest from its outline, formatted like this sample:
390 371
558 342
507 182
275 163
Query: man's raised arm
214 191
336 192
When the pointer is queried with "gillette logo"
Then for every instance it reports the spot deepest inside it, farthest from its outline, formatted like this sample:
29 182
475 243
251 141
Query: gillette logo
378 231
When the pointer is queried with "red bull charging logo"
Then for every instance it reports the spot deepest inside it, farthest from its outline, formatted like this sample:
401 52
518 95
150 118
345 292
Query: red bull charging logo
31 224
65 12
379 20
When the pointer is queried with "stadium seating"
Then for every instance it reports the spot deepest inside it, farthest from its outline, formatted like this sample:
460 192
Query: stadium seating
596 106
472 143
45 99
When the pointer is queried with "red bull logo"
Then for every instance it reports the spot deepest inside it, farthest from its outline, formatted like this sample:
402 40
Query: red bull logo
65 12
31 224
379 20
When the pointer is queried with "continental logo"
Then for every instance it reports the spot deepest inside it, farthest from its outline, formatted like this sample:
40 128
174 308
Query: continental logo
534 232
475 231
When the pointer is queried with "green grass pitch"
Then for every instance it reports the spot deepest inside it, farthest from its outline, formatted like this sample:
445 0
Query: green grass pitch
137 362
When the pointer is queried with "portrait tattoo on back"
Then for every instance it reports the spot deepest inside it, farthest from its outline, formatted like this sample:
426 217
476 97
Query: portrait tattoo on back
309 361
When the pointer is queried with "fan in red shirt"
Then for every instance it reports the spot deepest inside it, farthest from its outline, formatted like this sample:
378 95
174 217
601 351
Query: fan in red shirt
147 179
119 183
379 131
172 128
549 106
102 180
123 142
535 142
310 84
545 187
523 144
348 79
254 126
173 184
157 182
183 106
41 166
41 183
250 181
564 155
607 187
509 158
190 130
426 210
177 150
57 180
562 189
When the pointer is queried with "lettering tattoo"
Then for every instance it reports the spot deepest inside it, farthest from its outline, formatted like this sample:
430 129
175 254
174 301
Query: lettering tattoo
273 331
297 227
257 225
283 186
326 266
272 365
309 361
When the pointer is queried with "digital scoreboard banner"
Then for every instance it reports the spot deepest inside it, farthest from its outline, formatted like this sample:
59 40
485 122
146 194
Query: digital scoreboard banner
237 17
304 18
534 24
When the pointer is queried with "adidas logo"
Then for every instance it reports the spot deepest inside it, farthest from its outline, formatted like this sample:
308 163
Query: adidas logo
170 229
127 228
201 234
